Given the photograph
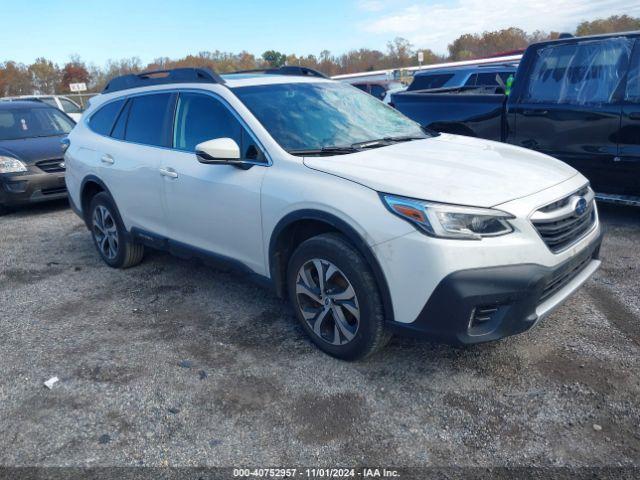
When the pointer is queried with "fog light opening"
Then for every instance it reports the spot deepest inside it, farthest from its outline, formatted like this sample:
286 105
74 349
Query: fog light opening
483 319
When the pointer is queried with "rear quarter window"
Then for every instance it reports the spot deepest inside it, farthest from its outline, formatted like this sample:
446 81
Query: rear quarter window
102 121
69 107
423 82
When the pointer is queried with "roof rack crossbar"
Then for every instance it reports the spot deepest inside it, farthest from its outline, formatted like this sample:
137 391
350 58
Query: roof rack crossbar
161 77
293 70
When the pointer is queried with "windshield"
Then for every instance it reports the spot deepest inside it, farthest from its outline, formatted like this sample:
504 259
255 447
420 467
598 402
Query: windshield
313 116
17 123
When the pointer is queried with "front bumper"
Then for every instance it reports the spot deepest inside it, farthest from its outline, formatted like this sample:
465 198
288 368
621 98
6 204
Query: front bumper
26 188
484 304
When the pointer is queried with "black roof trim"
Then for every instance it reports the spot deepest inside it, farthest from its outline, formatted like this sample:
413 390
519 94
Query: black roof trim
286 70
161 77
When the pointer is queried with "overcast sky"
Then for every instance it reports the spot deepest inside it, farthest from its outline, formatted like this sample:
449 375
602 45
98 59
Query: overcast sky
98 31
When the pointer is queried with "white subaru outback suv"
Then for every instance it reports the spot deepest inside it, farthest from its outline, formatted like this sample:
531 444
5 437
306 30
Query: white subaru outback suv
367 223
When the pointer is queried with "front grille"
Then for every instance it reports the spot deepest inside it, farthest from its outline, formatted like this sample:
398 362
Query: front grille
51 166
564 277
53 191
561 223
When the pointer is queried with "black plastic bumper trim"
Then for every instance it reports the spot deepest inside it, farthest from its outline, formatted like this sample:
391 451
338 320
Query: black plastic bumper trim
515 289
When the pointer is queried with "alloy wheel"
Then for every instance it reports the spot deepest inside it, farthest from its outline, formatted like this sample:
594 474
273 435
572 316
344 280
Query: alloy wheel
105 232
327 301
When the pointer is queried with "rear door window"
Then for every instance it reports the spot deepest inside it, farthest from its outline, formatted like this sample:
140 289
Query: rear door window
423 82
148 119
584 73
102 121
121 122
471 81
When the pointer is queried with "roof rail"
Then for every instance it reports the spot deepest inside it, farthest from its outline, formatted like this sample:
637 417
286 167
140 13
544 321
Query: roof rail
161 77
286 70
489 65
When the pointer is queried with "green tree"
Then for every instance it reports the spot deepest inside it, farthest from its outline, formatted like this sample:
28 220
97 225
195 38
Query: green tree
45 75
470 46
612 24
15 79
274 59
400 53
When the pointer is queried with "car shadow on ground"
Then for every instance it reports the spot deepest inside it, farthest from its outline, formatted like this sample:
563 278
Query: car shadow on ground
44 208
619 215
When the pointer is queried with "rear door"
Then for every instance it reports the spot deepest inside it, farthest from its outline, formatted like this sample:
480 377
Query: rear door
629 153
570 107
130 163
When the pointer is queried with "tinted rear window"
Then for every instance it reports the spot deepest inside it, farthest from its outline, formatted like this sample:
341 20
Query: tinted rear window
581 73
147 119
422 82
102 121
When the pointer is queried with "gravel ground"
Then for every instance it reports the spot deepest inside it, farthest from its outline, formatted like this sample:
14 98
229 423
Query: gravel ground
176 363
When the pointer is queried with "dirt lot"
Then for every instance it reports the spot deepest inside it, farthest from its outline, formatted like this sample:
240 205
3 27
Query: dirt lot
175 363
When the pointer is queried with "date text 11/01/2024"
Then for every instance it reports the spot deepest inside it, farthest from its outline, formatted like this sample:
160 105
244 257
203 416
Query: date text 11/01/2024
316 473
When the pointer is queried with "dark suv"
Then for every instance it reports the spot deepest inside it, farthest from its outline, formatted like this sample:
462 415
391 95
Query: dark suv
458 77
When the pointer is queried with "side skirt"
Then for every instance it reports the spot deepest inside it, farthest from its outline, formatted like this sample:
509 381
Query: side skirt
185 251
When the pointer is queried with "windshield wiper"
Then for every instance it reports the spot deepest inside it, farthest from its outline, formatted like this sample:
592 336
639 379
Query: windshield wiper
331 150
383 142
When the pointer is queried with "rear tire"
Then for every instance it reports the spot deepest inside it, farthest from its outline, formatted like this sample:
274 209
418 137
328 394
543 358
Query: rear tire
335 297
109 235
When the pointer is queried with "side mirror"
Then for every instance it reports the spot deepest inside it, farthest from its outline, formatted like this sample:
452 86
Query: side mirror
218 151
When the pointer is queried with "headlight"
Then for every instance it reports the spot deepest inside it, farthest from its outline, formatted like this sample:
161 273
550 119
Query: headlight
450 221
11 165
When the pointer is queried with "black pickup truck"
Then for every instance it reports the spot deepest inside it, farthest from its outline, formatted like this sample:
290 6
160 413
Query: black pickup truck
577 99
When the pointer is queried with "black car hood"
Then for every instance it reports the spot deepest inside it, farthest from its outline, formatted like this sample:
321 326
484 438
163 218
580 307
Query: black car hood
31 150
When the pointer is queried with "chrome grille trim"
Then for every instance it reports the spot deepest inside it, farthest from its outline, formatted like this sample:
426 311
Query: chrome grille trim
558 223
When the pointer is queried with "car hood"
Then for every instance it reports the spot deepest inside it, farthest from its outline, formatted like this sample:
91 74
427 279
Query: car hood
31 150
449 169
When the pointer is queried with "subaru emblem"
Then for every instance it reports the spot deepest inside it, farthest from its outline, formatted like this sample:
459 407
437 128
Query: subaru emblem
581 206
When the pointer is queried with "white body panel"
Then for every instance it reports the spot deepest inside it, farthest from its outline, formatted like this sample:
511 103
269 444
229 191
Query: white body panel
215 208
233 212
450 169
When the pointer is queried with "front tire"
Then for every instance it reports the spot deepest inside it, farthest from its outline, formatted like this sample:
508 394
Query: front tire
336 298
109 235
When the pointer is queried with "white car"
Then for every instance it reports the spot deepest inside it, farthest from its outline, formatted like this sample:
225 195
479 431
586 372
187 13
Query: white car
368 224
60 102
391 91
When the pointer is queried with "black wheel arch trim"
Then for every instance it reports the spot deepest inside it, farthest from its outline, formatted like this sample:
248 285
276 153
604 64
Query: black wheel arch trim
344 228
92 179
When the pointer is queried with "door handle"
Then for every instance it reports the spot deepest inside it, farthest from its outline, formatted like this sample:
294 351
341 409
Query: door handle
108 159
634 115
168 172
535 113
